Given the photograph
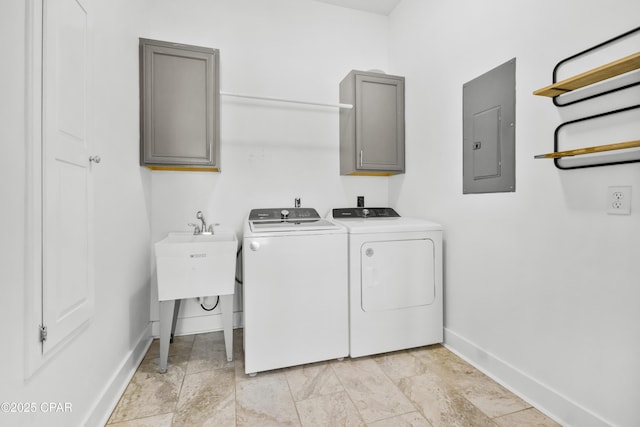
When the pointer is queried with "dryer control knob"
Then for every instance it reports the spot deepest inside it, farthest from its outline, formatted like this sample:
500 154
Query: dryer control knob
284 213
254 246
365 212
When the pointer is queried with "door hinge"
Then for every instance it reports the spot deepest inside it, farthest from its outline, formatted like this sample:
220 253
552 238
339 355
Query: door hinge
43 333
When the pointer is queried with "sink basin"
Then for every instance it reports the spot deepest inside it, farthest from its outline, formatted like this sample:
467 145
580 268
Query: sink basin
200 265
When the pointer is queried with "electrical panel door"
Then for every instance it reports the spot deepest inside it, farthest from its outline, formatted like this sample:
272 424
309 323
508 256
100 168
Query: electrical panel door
489 129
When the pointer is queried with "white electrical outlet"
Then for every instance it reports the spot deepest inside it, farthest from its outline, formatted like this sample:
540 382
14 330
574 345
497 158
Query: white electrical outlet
619 200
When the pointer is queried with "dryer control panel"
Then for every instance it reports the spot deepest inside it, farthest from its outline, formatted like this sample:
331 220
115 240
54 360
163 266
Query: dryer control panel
346 213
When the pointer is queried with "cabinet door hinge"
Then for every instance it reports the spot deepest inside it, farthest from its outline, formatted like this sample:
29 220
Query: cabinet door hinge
43 333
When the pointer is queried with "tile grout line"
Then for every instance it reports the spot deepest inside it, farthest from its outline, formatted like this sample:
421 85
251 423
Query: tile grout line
186 368
295 403
344 389
417 409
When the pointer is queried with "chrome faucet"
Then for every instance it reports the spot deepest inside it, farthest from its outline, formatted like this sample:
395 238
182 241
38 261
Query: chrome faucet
201 229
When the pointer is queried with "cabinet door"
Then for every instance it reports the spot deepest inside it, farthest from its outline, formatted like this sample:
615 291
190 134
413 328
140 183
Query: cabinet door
179 105
380 123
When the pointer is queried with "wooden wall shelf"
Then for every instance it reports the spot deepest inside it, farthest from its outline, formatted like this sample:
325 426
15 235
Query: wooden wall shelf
604 72
590 150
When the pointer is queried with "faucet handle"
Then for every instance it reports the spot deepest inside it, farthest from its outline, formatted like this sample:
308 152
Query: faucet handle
196 228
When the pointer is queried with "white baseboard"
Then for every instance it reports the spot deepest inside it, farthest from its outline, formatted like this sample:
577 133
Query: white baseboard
198 324
112 391
547 400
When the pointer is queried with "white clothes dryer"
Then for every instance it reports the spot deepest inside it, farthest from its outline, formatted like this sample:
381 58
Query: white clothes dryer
395 280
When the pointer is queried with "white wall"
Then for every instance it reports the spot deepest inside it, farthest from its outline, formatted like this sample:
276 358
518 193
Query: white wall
541 284
271 153
90 371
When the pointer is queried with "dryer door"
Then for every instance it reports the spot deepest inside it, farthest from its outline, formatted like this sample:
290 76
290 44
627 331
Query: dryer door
397 274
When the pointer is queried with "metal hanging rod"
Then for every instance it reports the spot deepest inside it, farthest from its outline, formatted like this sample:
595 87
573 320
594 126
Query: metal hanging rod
292 101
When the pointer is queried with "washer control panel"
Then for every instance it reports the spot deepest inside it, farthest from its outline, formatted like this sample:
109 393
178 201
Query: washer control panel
346 213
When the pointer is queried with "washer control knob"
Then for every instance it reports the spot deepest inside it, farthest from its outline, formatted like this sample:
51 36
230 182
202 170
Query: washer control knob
365 212
254 246
284 214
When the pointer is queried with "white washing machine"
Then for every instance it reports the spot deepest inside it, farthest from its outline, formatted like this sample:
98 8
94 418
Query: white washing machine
295 283
395 280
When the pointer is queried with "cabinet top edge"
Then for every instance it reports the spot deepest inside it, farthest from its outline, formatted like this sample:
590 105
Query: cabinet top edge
175 45
374 74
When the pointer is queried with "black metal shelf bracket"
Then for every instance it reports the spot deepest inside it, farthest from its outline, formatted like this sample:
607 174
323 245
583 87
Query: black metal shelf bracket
555 99
558 161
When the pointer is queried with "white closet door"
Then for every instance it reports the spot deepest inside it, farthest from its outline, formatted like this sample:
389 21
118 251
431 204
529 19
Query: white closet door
67 289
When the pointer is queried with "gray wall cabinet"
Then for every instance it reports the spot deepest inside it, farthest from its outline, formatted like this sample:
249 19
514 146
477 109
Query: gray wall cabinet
179 106
372 133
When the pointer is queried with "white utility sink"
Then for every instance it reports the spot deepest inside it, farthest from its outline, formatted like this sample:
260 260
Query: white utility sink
190 266
196 265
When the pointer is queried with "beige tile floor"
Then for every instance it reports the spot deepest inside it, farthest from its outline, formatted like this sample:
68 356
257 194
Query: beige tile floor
427 386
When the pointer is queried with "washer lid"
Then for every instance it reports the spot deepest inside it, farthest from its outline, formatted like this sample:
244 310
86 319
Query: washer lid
292 225
288 219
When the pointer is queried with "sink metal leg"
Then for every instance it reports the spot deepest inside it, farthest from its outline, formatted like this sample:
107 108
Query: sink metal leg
166 327
226 309
175 318
168 319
